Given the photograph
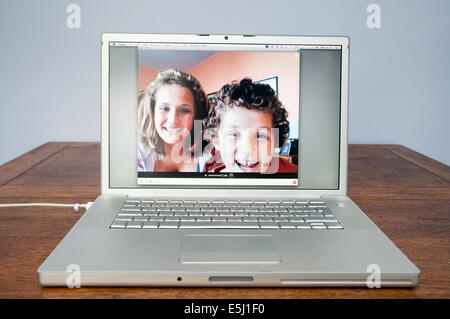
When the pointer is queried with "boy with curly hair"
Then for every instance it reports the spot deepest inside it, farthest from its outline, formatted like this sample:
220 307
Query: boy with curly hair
245 123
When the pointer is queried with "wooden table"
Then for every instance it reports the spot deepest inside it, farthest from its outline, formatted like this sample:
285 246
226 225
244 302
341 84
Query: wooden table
405 193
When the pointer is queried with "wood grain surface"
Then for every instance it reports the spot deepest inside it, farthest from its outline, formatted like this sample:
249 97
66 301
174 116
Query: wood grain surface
405 193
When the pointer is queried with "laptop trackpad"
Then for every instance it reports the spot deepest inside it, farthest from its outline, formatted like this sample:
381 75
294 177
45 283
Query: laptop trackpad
228 249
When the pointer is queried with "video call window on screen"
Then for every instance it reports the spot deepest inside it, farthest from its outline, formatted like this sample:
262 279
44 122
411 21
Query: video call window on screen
215 114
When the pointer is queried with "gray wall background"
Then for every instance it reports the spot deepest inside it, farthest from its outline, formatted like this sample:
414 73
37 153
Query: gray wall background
399 73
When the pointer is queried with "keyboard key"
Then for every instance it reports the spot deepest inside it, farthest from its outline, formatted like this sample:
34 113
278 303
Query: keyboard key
229 205
301 215
302 226
130 210
165 214
226 214
168 225
255 214
315 215
241 214
130 201
134 205
317 224
320 220
150 225
151 214
219 225
180 214
210 214
336 227
269 225
333 225
296 220
258 205
129 214
134 224
196 214
285 225
272 214
119 224
324 211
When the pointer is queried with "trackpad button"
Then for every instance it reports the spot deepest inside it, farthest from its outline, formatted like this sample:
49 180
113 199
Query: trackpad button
233 249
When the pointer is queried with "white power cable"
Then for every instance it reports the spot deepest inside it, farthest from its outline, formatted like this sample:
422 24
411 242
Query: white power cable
76 207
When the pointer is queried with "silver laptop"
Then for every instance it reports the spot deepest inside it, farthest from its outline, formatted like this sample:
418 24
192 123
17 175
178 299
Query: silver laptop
224 163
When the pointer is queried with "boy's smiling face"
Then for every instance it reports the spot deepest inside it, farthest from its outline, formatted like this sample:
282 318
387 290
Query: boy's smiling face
245 140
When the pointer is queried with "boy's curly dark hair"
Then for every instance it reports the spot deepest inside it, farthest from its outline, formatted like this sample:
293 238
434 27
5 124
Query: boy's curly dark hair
251 95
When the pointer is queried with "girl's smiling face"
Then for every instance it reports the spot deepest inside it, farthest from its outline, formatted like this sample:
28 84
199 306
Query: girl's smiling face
174 113
245 140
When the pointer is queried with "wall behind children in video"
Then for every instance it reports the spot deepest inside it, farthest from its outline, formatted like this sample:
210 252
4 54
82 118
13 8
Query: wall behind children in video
214 69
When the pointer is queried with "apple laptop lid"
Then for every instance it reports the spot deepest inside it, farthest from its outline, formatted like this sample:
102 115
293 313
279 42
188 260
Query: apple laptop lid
240 114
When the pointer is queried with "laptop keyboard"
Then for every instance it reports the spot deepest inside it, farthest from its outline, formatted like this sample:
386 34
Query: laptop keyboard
225 214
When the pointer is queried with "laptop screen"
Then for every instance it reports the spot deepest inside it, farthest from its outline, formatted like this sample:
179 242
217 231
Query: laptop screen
217 116
221 114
